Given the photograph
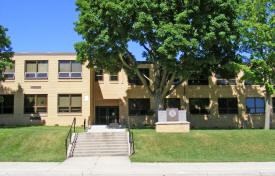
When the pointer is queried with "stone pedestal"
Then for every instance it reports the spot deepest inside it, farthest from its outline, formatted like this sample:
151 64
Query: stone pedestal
172 121
172 127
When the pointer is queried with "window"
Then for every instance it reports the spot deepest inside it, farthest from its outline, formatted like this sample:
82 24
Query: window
199 105
9 72
35 103
273 104
99 75
36 70
198 82
255 105
223 81
249 83
69 69
139 106
172 103
6 107
69 103
135 79
114 77
228 105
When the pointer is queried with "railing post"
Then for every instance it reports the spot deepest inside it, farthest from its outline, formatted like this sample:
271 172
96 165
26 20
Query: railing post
74 124
84 124
66 147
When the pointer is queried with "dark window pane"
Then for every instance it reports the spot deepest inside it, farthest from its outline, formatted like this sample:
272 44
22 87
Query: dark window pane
273 104
63 109
99 75
199 105
114 77
255 105
172 103
76 109
198 82
7 106
134 79
139 106
228 105
35 103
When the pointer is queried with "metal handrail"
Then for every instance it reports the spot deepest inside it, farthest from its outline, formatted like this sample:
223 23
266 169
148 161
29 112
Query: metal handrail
69 136
131 140
84 125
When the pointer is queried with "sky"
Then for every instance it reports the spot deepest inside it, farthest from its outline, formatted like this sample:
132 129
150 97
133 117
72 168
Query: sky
44 26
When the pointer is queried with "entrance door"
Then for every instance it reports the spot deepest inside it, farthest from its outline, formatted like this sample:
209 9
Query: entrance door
106 115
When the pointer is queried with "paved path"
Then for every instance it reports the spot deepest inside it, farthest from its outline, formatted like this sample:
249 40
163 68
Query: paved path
121 166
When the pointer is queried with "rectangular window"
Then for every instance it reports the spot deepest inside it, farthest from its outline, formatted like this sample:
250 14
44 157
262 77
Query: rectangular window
69 103
7 105
69 69
228 105
172 103
139 106
201 81
114 77
9 72
223 81
255 105
99 75
273 104
35 103
36 69
134 79
199 105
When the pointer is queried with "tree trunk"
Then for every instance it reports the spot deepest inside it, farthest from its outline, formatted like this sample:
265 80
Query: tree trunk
158 103
267 111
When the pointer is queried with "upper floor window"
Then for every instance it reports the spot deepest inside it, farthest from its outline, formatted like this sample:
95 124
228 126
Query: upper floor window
228 105
69 69
35 103
9 72
69 103
134 79
114 77
139 106
172 103
198 82
7 105
99 75
223 81
255 105
36 69
249 83
199 105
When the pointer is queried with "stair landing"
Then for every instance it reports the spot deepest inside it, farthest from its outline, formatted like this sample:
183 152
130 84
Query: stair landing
105 128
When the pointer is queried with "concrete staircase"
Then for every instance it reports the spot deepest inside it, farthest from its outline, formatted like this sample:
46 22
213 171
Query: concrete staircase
101 143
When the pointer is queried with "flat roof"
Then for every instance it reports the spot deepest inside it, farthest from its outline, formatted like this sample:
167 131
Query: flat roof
44 53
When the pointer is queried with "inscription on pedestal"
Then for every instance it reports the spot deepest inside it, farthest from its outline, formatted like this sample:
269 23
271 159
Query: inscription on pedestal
172 114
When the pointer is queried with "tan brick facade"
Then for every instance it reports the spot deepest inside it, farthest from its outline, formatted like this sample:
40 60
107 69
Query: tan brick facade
108 93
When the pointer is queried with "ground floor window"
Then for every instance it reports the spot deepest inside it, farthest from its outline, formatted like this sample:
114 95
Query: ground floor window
273 104
199 105
35 103
69 103
6 107
228 105
255 105
172 103
139 106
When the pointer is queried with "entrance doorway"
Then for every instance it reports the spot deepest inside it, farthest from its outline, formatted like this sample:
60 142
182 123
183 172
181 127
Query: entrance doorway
104 115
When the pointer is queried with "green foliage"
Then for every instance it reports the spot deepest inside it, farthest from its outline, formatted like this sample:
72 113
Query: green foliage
257 29
5 51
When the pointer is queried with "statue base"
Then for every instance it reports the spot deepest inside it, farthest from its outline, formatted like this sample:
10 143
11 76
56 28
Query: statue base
173 127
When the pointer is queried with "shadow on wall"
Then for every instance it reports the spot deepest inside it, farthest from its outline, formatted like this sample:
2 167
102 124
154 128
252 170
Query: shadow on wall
18 118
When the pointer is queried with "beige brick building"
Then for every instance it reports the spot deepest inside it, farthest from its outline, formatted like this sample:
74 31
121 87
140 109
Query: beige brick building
56 88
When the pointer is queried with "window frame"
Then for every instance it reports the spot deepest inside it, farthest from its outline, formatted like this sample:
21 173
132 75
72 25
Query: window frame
198 82
99 74
70 104
204 111
254 106
2 107
9 73
36 72
112 76
135 79
220 81
166 103
139 110
70 73
35 104
228 109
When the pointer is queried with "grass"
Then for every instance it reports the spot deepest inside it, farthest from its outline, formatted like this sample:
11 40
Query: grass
204 146
37 143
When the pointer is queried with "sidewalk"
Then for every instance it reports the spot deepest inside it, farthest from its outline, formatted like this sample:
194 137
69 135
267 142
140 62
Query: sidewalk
121 166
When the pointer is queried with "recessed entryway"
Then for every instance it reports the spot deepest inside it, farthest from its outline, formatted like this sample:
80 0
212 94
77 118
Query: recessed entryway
106 115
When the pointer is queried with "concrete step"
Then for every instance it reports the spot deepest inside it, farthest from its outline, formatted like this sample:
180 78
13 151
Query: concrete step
102 145
99 151
101 140
99 154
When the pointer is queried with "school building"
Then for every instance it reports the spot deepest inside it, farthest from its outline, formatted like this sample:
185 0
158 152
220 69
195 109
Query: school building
55 88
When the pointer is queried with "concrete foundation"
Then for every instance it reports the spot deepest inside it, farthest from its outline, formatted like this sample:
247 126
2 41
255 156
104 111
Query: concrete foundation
173 127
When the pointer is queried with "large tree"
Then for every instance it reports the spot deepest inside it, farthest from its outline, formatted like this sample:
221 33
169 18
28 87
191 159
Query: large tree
5 52
181 39
257 34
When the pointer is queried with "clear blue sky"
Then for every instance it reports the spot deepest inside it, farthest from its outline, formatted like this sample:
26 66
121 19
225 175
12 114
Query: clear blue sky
43 25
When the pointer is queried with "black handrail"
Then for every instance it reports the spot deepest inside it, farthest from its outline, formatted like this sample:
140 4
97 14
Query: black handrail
84 125
131 140
69 136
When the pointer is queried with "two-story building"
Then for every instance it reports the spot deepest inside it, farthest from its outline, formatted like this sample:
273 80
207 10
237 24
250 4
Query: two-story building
57 88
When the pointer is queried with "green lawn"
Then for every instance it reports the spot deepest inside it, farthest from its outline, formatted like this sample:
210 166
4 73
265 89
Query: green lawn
204 146
38 143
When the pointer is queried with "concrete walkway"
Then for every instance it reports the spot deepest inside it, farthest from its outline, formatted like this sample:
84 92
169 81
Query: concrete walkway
121 166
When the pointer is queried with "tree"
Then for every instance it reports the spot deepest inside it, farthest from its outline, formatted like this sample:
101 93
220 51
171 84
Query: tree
181 39
257 34
5 52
